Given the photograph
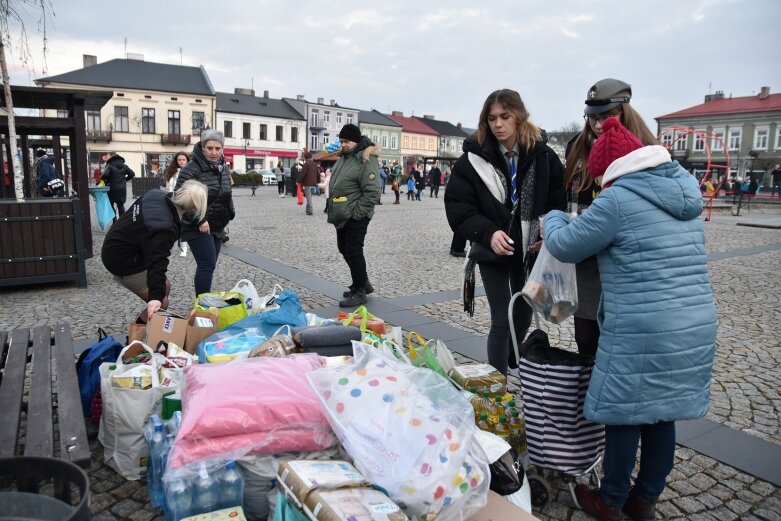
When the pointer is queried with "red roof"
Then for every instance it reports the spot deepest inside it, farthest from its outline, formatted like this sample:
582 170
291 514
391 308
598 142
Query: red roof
730 106
412 125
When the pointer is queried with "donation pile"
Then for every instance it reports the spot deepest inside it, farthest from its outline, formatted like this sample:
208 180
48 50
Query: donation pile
279 414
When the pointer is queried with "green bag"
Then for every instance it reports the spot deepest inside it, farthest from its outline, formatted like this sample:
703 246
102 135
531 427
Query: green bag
228 314
421 355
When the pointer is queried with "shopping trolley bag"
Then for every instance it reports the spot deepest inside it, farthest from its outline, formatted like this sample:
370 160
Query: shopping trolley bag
553 385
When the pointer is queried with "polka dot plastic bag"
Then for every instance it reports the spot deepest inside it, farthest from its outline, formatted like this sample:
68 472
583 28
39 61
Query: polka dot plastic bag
409 431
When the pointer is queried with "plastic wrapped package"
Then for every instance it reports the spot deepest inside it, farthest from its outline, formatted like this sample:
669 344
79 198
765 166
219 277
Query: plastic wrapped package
257 405
409 431
229 344
260 472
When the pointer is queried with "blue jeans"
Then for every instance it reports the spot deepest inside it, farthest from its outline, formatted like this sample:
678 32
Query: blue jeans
656 460
206 249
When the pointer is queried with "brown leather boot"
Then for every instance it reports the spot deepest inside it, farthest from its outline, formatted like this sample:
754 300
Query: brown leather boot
591 503
638 509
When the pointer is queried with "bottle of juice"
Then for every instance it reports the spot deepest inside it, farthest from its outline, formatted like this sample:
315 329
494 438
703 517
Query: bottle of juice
517 434
482 422
501 429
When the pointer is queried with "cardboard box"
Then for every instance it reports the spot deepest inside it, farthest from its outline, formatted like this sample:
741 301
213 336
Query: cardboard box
135 332
194 333
297 478
165 327
352 504
226 514
499 509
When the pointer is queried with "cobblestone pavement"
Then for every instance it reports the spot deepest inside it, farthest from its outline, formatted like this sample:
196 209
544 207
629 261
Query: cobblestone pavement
407 252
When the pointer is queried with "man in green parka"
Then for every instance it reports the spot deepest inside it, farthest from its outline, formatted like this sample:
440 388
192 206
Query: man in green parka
353 192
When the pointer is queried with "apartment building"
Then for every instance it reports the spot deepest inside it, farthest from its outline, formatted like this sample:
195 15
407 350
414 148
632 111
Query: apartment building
157 109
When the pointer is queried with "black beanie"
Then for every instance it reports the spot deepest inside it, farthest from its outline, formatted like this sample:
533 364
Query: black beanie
350 132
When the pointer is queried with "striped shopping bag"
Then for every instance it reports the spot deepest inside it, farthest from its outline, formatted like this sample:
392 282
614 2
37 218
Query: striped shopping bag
554 384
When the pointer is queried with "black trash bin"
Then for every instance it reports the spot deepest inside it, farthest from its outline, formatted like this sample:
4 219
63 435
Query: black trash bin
43 489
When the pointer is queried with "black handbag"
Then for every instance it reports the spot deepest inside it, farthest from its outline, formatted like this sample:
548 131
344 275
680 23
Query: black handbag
480 253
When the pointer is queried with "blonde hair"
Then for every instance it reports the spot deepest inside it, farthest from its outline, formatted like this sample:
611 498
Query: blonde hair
527 132
191 197
576 169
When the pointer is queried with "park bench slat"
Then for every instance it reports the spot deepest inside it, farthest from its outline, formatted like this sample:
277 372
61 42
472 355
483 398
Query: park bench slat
11 390
39 437
69 412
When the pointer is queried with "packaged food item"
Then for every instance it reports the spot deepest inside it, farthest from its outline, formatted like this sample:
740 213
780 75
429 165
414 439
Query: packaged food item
226 514
133 377
277 345
480 375
300 477
352 504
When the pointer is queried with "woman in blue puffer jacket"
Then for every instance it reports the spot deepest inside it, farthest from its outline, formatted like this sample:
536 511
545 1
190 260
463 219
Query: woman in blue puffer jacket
657 316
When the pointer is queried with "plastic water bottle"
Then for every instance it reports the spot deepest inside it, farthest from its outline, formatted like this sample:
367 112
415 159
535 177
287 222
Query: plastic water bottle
231 487
150 428
172 425
178 500
206 492
158 450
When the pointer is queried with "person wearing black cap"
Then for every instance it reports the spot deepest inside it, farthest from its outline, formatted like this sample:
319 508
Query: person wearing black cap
353 192
607 97
206 235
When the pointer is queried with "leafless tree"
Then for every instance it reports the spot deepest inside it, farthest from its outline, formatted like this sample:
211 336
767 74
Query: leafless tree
15 11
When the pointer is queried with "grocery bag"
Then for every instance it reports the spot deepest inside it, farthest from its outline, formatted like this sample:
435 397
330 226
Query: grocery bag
251 297
409 431
421 354
230 306
125 411
551 288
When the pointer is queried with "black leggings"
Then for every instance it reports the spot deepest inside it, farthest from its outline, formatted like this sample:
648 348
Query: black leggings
499 278
281 187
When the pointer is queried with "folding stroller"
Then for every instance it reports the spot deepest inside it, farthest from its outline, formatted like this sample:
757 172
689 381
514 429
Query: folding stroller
553 386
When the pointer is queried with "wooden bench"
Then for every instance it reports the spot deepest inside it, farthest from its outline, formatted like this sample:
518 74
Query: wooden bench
253 185
51 408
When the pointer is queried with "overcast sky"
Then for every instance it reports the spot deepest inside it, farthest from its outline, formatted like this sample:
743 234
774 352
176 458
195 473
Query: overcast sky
434 57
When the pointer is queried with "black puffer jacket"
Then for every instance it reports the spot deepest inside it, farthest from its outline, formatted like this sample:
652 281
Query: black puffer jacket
474 214
141 239
117 174
220 209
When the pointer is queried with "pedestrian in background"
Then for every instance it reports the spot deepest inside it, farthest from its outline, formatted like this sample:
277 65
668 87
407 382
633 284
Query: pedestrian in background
206 235
434 180
171 175
115 176
606 98
657 315
279 171
775 179
309 176
420 183
323 186
353 192
137 246
411 187
47 182
505 180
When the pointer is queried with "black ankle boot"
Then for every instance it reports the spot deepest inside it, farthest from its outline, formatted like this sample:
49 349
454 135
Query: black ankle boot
355 299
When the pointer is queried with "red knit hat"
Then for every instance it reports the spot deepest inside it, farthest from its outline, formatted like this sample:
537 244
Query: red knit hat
614 142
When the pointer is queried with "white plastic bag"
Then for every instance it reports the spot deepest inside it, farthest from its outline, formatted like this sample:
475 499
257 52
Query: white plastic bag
409 431
443 354
125 412
551 289
266 302
251 297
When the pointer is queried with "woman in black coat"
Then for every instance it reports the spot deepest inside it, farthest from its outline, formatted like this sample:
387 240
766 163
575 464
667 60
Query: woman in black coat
206 235
116 175
505 180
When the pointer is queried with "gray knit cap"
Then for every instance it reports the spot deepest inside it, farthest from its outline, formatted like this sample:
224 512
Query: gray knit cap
211 134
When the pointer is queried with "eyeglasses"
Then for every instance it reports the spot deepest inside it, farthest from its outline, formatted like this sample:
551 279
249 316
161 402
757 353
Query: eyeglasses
594 118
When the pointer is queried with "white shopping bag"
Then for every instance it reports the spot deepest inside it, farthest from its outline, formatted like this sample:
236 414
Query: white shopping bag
251 297
125 412
443 354
266 302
